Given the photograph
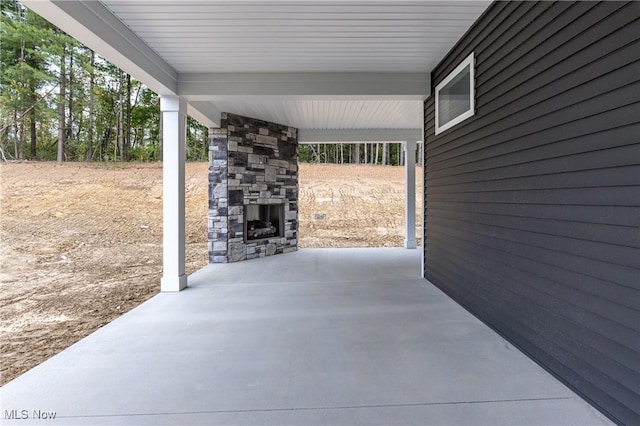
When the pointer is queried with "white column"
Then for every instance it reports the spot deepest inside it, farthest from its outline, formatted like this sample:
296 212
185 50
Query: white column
174 120
410 195
423 154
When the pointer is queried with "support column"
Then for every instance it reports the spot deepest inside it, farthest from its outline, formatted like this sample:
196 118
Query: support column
410 195
423 154
174 120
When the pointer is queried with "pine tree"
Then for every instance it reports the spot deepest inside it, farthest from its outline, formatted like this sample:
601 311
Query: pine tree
22 73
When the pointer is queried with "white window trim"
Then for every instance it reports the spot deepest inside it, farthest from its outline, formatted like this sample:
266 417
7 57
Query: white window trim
468 62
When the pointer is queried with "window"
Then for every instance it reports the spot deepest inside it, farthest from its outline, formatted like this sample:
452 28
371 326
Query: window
455 96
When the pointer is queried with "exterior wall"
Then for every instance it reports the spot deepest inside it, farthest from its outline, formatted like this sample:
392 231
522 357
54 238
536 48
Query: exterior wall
533 204
239 175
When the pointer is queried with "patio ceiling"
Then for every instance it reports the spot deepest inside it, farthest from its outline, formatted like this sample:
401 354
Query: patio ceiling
341 65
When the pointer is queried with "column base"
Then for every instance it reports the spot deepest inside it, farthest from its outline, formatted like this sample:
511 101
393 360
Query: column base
173 283
410 244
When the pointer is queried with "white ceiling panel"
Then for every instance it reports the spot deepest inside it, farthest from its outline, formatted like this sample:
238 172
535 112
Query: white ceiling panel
299 36
331 114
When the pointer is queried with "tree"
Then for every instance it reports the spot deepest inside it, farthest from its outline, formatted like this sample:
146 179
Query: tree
92 100
146 125
62 134
384 153
127 124
22 73
120 122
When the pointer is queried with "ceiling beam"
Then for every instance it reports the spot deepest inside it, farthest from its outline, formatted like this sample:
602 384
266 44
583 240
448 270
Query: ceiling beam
205 112
307 85
307 136
91 23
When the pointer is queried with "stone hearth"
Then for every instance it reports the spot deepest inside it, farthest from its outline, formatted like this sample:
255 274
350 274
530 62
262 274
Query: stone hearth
251 162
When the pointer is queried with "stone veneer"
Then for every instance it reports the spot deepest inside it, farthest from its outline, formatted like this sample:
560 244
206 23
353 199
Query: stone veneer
250 162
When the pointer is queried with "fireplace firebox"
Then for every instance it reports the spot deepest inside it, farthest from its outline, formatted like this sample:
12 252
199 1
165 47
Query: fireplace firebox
263 221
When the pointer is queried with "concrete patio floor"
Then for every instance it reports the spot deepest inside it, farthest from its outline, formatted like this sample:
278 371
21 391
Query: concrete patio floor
320 336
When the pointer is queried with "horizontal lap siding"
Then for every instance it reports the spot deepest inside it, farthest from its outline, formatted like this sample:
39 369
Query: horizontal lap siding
532 214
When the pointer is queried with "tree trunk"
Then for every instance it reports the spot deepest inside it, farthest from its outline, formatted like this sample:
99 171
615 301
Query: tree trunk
104 145
32 133
15 133
374 154
120 144
19 149
384 153
127 145
205 142
69 129
92 102
20 139
4 133
61 109
160 138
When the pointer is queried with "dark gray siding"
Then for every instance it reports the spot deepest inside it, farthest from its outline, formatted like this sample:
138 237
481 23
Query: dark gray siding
533 204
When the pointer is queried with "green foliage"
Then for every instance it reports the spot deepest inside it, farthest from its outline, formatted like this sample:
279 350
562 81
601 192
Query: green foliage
32 52
305 154
22 71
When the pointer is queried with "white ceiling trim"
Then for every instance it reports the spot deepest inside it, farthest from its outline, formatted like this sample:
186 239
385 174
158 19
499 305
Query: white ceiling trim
205 112
329 85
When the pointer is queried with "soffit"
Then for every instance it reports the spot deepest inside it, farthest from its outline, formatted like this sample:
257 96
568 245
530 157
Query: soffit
299 36
332 114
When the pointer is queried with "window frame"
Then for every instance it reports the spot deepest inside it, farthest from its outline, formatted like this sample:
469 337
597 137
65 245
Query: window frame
469 61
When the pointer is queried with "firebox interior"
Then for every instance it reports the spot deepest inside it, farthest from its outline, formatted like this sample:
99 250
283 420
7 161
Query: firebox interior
263 221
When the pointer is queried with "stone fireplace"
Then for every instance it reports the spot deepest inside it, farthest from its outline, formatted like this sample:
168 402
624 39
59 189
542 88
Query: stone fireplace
253 189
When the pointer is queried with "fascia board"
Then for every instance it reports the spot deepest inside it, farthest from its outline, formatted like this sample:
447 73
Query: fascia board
305 85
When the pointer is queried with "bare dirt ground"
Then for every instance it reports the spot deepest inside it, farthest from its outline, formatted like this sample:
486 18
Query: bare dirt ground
354 205
80 244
